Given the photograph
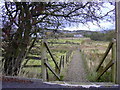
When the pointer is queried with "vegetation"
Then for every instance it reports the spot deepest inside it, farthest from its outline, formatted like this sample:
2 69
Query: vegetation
105 35
101 35
22 20
57 51
92 52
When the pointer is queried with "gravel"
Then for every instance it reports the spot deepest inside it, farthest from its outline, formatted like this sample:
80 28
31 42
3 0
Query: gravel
75 71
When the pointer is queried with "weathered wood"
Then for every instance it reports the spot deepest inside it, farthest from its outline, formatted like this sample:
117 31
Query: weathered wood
114 65
105 55
118 39
51 55
33 57
63 43
100 70
63 61
69 53
50 68
105 69
43 60
47 75
60 63
28 66
66 57
25 63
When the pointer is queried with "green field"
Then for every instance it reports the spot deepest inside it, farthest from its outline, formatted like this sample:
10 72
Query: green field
92 52
57 51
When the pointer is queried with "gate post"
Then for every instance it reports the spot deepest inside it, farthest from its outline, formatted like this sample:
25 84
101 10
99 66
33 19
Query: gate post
114 60
43 60
118 39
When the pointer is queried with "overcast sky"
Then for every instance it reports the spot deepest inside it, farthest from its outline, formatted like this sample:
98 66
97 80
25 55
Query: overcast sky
91 27
104 25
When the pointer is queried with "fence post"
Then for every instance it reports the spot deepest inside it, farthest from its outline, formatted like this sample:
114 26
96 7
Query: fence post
118 39
43 60
67 57
114 65
47 74
63 62
60 63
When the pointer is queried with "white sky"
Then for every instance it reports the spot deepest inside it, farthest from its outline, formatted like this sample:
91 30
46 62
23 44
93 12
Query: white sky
104 25
91 27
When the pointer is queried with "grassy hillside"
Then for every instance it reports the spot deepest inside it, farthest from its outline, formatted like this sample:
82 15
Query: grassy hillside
106 35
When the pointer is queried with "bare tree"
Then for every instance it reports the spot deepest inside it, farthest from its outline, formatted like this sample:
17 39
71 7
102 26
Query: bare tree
20 20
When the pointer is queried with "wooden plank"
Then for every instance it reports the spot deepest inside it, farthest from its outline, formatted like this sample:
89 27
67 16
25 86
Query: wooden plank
63 61
105 69
105 55
33 57
114 66
43 60
118 39
67 57
25 63
28 66
51 55
47 75
63 43
50 68
60 63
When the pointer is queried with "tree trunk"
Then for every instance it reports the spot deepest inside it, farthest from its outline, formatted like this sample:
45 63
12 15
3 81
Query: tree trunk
9 67
18 46
13 60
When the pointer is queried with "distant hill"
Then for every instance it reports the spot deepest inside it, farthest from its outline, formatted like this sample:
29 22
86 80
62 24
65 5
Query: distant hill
105 35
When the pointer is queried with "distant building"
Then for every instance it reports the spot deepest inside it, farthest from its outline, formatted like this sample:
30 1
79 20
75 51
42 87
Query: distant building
78 36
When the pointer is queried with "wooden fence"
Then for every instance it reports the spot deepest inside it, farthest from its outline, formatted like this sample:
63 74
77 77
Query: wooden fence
45 66
111 64
64 43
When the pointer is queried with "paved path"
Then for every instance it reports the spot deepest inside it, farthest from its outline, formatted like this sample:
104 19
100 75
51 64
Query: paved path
75 72
15 83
